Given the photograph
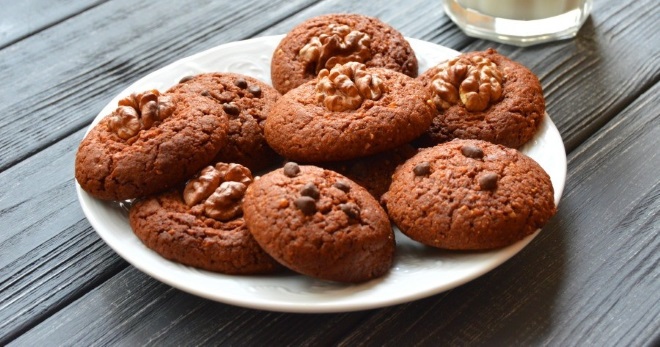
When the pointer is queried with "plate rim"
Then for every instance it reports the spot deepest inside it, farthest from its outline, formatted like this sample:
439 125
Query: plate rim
502 255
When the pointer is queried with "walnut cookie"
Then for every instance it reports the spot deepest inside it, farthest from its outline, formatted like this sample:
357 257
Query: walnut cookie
348 112
484 96
321 42
150 143
201 224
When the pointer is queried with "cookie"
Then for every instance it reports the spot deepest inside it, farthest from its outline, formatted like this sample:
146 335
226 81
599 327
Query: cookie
247 102
321 42
374 172
469 195
201 224
319 223
348 112
150 143
484 96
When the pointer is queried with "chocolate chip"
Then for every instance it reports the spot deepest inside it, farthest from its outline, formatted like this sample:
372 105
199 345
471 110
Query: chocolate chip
310 190
306 205
343 186
186 79
473 152
240 83
488 181
231 109
255 90
291 169
351 210
422 169
206 93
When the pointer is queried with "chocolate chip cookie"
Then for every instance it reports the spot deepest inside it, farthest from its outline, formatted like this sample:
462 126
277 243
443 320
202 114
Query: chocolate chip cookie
321 42
469 195
319 223
201 224
485 96
150 143
348 112
247 102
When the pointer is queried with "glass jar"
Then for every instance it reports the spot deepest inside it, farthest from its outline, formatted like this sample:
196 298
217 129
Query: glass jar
519 22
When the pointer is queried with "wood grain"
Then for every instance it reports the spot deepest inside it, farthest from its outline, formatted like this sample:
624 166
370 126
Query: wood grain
38 200
50 254
50 276
43 224
590 278
414 18
595 267
587 81
166 316
52 204
20 19
55 82
78 74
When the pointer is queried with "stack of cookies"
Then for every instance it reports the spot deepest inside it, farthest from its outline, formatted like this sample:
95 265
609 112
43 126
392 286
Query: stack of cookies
347 141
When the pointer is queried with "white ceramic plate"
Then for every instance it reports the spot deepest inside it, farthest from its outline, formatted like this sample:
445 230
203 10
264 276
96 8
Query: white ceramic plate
418 271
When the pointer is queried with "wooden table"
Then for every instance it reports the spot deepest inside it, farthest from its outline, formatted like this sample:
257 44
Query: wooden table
590 278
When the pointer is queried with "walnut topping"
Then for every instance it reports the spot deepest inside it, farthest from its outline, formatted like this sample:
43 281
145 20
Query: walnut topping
345 87
225 203
235 172
342 45
475 81
220 189
139 111
125 122
203 186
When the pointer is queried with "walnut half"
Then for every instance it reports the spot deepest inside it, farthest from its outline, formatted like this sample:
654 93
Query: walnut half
219 189
345 87
341 46
476 82
139 111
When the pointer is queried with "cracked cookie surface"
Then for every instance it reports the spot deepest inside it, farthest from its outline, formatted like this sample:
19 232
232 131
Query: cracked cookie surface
387 49
469 195
511 121
165 224
319 223
302 128
247 102
109 167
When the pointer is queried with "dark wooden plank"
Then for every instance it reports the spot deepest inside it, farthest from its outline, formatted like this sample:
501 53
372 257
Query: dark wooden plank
55 82
591 277
116 55
51 222
26 300
415 18
590 79
52 205
45 238
166 316
50 254
38 200
22 18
